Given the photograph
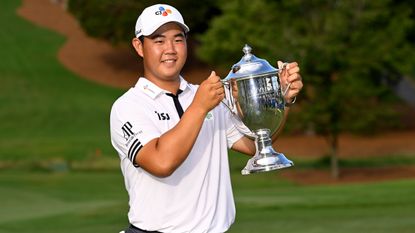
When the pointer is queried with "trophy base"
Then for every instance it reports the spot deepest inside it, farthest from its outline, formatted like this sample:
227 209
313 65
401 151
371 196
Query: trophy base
278 161
266 158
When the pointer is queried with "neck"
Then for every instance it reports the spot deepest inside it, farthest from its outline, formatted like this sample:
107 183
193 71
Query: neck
170 85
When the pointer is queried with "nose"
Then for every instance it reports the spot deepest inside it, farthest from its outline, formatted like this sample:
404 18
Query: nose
170 47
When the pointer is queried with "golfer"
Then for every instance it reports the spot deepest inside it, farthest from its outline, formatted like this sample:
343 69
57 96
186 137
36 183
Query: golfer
173 137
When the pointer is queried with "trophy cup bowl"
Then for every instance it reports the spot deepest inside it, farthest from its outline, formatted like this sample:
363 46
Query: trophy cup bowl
257 103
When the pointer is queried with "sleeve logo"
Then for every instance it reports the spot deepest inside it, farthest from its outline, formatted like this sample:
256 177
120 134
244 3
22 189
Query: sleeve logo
126 129
135 146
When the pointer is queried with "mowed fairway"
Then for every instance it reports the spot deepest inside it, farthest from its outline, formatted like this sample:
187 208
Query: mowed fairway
49 114
73 202
275 207
82 202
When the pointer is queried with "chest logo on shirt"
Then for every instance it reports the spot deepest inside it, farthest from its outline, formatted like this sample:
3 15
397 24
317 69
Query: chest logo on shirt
163 116
209 116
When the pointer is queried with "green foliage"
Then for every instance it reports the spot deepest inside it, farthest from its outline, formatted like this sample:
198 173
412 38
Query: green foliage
115 20
251 22
106 19
348 51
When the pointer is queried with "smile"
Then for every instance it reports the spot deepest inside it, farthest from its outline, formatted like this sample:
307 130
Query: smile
169 60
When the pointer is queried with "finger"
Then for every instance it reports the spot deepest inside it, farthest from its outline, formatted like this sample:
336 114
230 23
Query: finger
293 69
284 78
294 77
296 85
292 93
291 65
234 85
217 85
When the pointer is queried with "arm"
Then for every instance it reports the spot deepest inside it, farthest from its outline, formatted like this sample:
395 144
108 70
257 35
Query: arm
161 156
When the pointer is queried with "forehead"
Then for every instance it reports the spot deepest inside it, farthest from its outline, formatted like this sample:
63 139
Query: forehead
171 27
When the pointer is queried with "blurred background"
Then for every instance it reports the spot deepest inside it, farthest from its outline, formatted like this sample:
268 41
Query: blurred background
351 133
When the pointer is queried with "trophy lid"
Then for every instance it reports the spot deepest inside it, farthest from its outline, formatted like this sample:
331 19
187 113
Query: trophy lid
250 66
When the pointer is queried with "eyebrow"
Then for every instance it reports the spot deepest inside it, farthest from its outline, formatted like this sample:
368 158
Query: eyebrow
181 34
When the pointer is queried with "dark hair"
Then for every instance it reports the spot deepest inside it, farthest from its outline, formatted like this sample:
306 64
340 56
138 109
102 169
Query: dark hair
141 38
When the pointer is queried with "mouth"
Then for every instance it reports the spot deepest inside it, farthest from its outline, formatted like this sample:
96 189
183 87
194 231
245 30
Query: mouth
169 61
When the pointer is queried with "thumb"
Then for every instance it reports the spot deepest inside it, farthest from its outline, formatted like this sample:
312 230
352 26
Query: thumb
280 64
212 74
213 78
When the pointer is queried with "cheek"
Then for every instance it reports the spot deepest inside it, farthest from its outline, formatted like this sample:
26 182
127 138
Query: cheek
151 53
183 50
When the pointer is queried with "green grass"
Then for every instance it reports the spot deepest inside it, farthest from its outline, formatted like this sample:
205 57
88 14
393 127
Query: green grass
46 111
84 202
363 162
62 202
383 207
268 203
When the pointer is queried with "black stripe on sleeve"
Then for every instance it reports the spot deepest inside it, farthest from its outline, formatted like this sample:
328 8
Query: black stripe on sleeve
135 151
133 146
133 158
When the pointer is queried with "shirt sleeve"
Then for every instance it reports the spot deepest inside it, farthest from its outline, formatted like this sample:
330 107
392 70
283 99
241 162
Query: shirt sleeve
232 132
131 128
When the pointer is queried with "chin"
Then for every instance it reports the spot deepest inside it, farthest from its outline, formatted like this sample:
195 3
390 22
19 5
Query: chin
170 76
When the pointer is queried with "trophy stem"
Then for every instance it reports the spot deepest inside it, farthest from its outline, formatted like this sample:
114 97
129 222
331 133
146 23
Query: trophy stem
265 158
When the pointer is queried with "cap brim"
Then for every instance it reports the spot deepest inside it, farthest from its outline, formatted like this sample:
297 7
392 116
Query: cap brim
155 27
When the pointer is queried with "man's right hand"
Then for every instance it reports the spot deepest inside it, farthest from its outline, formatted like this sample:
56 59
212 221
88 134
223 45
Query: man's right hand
210 93
162 156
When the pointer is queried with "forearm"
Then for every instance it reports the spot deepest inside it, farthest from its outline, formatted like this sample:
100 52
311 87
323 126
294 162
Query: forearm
176 144
163 155
245 145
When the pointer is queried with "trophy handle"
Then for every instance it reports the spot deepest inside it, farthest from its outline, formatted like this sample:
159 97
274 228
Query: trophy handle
229 100
280 70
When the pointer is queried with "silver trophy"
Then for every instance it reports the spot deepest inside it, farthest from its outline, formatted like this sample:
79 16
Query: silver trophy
254 95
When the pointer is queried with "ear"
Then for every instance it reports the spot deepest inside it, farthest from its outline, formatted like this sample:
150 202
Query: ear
138 46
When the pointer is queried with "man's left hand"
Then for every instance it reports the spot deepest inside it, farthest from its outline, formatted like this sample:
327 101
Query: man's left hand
290 79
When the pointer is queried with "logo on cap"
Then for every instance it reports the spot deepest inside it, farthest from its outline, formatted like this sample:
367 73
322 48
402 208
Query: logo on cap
163 12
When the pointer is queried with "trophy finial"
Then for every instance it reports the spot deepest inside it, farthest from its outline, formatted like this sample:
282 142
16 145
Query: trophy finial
247 50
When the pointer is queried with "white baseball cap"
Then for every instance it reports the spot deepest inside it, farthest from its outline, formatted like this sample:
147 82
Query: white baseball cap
155 16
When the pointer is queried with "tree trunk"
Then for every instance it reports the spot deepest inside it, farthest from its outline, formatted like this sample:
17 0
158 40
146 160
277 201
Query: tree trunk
334 162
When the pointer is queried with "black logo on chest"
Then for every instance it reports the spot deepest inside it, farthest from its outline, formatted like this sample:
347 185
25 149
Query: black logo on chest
162 116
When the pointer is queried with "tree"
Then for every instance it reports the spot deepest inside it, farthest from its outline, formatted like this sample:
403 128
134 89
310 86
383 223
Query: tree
348 51
115 20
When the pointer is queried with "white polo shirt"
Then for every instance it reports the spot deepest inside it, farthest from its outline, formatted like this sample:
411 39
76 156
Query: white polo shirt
198 196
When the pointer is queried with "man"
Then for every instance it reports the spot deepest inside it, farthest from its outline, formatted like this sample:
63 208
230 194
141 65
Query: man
172 137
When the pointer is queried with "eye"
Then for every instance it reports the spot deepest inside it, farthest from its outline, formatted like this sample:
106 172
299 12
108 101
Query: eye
158 40
179 40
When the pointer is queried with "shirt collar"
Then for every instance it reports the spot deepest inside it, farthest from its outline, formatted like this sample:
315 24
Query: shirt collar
152 90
